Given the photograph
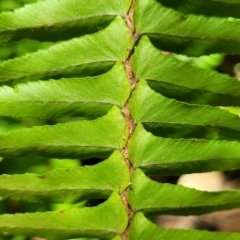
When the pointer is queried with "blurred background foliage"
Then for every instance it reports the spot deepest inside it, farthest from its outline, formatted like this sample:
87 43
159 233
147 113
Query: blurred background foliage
39 165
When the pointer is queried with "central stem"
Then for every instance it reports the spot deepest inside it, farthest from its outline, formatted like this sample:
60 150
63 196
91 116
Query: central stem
128 118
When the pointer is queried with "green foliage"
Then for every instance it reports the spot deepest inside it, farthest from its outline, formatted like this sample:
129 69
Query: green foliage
166 198
71 223
106 89
143 228
48 99
79 182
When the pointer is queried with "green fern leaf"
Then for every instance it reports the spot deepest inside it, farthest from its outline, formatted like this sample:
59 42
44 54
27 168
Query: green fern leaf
55 20
186 114
176 79
174 199
178 113
71 223
188 34
88 97
166 156
65 60
84 139
88 182
143 228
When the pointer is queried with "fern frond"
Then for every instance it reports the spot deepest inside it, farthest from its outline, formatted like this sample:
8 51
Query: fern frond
57 20
87 97
161 110
105 221
163 198
142 228
84 56
166 156
187 34
88 182
83 139
179 80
